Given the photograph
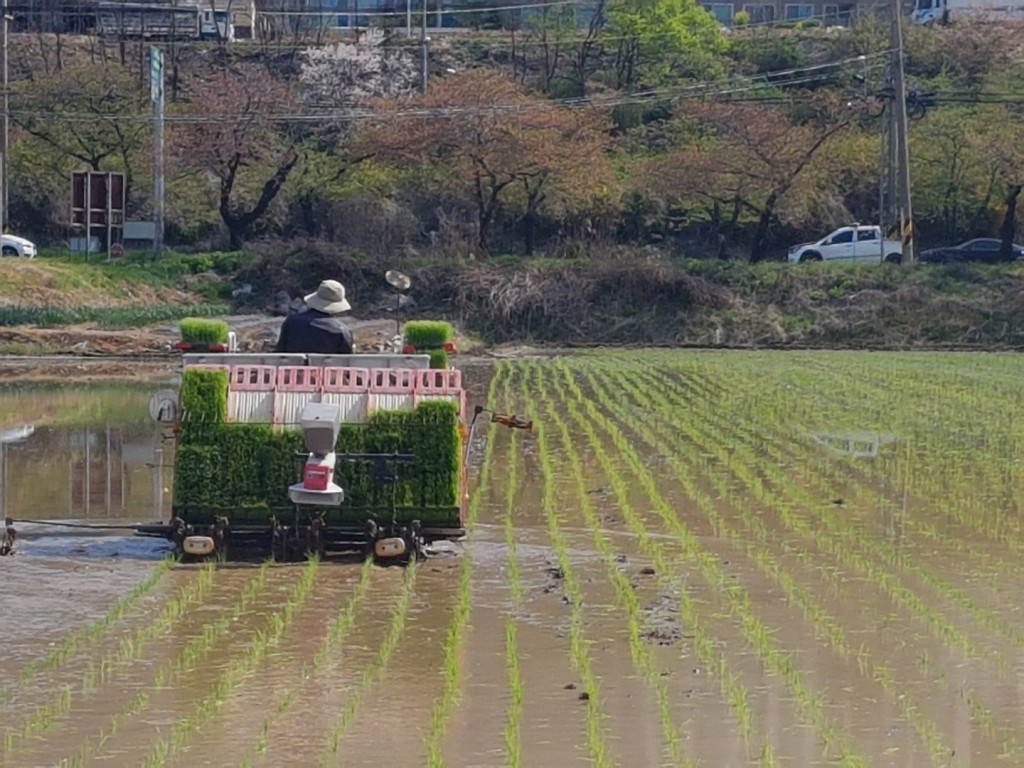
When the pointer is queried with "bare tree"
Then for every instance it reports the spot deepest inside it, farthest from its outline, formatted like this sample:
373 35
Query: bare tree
234 132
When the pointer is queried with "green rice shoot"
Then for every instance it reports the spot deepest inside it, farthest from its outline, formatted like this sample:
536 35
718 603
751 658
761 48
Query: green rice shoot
198 330
428 334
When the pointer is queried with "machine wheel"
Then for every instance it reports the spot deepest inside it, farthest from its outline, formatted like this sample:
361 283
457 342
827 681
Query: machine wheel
279 544
7 544
221 538
810 256
894 258
9 251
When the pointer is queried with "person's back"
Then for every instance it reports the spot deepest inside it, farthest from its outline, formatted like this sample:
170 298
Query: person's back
318 329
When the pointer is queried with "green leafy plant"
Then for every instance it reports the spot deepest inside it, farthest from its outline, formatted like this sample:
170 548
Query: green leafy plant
245 469
438 358
428 334
202 331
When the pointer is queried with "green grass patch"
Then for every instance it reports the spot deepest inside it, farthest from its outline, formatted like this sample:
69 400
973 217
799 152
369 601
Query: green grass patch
107 317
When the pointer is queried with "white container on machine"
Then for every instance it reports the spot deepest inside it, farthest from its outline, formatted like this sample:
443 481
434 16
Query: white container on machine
320 424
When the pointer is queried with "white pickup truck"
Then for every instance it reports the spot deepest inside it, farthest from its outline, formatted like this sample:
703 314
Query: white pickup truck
850 244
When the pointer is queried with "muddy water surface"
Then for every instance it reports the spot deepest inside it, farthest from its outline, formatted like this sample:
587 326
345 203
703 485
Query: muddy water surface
762 590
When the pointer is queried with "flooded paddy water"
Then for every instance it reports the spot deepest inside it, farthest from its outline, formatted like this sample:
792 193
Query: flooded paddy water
694 558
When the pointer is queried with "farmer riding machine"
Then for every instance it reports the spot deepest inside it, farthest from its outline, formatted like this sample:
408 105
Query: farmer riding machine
304 454
312 454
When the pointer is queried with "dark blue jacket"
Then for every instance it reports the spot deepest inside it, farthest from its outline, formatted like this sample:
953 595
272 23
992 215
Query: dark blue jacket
314 332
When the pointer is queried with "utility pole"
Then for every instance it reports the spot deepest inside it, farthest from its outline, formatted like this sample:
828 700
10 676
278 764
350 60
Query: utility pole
888 216
7 120
156 82
899 134
424 42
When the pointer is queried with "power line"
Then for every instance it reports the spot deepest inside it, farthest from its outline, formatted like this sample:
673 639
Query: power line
768 80
433 12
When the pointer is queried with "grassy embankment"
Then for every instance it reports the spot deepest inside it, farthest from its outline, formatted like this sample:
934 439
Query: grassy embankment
633 302
47 293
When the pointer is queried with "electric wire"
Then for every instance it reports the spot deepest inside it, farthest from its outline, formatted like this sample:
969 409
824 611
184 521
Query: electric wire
768 80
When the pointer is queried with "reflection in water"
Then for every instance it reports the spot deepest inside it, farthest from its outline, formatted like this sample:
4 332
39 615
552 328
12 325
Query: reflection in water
861 444
94 453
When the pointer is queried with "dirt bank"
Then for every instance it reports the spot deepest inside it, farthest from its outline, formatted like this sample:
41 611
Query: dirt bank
256 333
659 301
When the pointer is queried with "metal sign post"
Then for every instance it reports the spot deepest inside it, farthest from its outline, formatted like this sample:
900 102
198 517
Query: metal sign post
156 81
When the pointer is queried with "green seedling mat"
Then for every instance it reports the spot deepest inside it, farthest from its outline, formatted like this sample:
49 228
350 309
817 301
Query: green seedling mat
243 470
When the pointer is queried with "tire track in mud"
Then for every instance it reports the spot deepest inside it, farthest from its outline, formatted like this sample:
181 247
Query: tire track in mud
512 662
456 636
551 720
513 725
82 639
579 651
46 716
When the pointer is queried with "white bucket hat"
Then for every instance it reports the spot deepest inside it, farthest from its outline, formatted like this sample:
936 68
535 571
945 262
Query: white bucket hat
329 297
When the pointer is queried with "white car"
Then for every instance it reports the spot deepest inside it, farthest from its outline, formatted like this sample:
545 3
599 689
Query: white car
850 244
18 246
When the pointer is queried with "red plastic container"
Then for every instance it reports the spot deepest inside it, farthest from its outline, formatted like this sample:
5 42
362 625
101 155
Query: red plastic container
316 477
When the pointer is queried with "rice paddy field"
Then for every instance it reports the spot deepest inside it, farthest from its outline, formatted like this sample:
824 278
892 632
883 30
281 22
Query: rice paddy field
693 559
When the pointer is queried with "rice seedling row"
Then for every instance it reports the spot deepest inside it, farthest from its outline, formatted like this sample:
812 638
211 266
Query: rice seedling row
187 660
79 639
825 479
326 651
963 501
896 401
824 623
242 665
513 722
1011 744
979 503
705 646
579 652
455 636
643 660
774 658
373 672
816 467
46 715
